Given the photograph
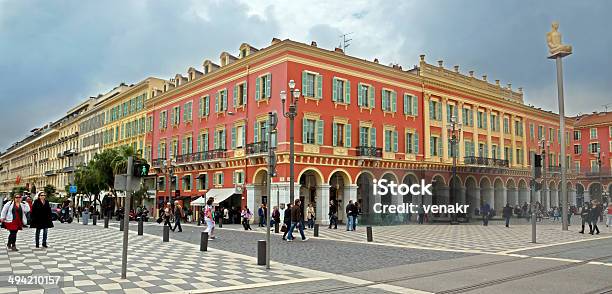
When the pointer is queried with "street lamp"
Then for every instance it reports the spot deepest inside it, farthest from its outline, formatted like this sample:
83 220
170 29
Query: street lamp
169 165
291 114
454 128
544 146
599 161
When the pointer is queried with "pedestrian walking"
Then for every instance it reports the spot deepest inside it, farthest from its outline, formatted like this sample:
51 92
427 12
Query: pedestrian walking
246 218
350 208
209 218
507 213
333 214
485 210
356 213
556 214
421 212
41 218
178 215
585 212
310 216
226 215
275 216
594 216
286 221
12 217
296 221
167 215
262 215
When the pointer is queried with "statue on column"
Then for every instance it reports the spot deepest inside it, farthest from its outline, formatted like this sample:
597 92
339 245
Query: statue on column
555 47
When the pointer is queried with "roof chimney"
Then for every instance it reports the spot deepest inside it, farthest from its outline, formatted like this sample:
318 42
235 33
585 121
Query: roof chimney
339 50
440 62
456 68
275 40
509 86
497 83
471 73
313 44
484 78
520 89
375 60
422 57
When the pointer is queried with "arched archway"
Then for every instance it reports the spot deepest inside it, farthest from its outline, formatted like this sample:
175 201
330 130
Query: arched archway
312 190
595 191
512 192
580 199
486 191
365 189
472 194
339 191
523 192
440 193
499 197
411 179
388 198
257 191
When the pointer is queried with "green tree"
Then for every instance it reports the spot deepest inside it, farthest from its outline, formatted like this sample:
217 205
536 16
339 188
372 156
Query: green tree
49 190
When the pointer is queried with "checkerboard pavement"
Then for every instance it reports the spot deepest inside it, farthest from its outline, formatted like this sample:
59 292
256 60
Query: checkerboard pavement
88 260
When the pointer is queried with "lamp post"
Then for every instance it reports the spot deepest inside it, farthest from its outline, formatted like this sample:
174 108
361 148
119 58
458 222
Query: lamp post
557 50
544 148
601 191
291 114
169 165
454 127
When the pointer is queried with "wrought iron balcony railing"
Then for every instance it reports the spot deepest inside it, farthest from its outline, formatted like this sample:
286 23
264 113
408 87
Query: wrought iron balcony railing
484 161
366 151
202 156
157 162
255 148
49 173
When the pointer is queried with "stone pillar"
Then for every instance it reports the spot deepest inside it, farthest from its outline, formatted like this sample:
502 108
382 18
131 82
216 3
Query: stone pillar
461 146
487 115
537 195
502 141
572 196
461 197
427 131
444 134
323 204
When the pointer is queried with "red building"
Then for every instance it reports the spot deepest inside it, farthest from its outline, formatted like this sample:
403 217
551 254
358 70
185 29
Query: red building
357 121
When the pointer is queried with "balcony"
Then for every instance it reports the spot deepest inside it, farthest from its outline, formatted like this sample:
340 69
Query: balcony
365 151
158 162
49 173
256 148
70 152
594 173
68 169
60 155
202 156
484 161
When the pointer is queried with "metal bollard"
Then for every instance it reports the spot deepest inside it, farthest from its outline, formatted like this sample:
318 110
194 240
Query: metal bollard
166 237
121 225
261 252
106 222
95 218
204 242
276 228
369 233
316 230
140 227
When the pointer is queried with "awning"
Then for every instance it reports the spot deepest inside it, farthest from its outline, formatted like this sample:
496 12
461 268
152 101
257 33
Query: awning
220 194
199 202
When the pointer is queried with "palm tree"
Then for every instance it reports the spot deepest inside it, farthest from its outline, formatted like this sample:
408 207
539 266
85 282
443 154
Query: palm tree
120 162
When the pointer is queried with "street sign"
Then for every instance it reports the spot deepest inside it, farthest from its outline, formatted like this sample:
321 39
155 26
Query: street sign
121 183
73 189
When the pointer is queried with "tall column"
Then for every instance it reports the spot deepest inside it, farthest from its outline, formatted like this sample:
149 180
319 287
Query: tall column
513 141
524 138
350 193
323 204
445 147
461 144
475 131
426 126
487 115
502 141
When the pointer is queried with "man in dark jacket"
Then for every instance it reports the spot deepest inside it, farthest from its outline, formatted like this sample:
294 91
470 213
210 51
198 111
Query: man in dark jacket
594 215
178 215
296 221
485 210
41 218
350 209
507 213
585 212
287 220
333 215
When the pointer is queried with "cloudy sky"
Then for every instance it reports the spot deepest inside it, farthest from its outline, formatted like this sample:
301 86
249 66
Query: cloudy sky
54 54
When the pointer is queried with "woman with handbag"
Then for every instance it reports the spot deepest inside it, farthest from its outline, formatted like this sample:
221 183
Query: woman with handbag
246 218
310 215
209 217
13 218
41 218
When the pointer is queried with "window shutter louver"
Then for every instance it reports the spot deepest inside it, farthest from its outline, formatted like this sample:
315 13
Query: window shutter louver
347 132
431 146
216 102
233 142
372 137
334 90
406 104
431 110
440 147
235 100
416 143
319 86
199 146
245 94
268 85
448 112
205 142
347 92
207 105
359 95
334 135
393 101
439 110
304 131
320 130
224 100
395 143
257 89
304 83
372 97
415 106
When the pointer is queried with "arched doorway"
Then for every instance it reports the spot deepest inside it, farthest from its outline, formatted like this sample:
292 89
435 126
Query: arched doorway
439 193
524 196
595 191
313 191
499 200
472 194
339 183
580 194
365 188
257 193
411 179
486 191
512 193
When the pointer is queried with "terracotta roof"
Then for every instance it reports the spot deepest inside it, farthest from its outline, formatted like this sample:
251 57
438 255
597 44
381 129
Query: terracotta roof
593 119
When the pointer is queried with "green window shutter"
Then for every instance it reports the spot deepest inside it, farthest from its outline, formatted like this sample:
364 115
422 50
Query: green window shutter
439 110
183 146
456 112
304 82
205 142
416 143
200 143
395 144
320 129
257 90
268 87
372 137
431 146
221 178
334 93
216 140
216 102
233 142
256 133
393 101
415 106
159 155
347 133
359 95
387 137
224 100
319 86
235 96
334 135
207 105
201 107
223 139
372 97
245 94
406 104
484 120
431 110
347 92
234 178
471 115
448 112
304 131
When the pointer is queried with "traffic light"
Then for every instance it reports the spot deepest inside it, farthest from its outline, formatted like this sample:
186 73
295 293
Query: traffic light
140 169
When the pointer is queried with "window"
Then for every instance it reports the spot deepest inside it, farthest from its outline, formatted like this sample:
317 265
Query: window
593 133
594 147
312 85
204 106
531 132
203 142
483 150
507 154
367 136
577 166
262 87
390 141
494 122
240 95
161 149
341 135
221 101
341 91
174 148
365 96
469 148
519 156
187 183
435 146
435 110
219 179
237 137
187 117
494 151
220 139
411 105
481 120
261 131
468 117
202 182
389 100
412 142
594 166
577 149
176 115
312 131
451 111
577 135
238 178
506 125
161 183
551 135
163 119
540 132
518 128
187 145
